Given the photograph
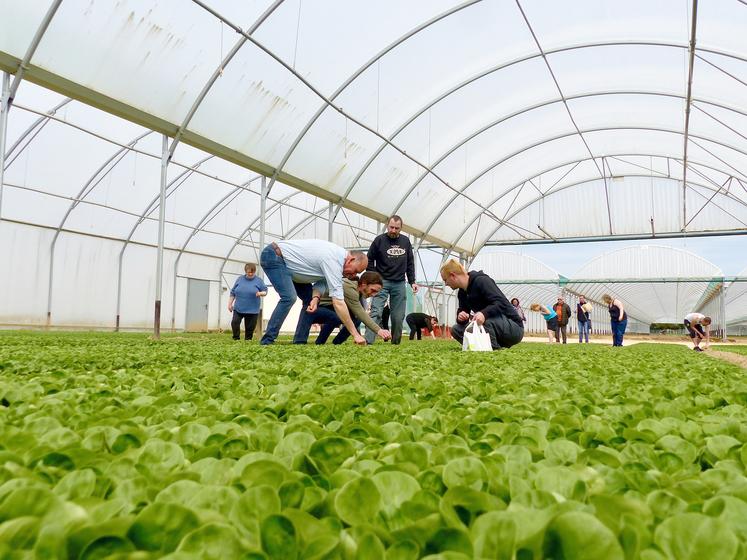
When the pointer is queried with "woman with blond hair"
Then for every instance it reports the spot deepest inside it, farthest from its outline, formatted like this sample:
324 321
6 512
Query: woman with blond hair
618 318
549 315
481 301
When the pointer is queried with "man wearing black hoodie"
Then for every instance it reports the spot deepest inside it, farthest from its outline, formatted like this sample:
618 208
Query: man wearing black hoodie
480 300
391 256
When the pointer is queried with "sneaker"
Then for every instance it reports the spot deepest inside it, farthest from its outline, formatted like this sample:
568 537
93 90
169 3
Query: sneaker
698 349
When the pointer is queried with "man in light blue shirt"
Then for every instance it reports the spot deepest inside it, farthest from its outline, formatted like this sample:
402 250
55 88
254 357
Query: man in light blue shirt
295 266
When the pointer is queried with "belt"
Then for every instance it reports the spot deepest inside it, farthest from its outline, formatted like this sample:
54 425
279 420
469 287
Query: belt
276 248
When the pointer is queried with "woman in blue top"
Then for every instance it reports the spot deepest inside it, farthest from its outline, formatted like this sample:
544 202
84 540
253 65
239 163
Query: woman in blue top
548 313
244 301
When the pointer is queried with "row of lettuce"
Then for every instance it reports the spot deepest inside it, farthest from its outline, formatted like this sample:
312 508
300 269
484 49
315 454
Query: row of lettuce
120 447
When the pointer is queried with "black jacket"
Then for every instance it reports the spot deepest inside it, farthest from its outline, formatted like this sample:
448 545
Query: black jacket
483 295
392 258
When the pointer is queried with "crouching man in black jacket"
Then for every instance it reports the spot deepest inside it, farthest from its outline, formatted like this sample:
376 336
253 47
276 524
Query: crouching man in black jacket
479 295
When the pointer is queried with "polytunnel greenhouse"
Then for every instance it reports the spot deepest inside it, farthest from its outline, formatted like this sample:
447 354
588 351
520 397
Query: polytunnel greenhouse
157 155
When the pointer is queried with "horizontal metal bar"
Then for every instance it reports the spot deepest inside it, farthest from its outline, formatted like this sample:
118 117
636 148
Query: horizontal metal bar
574 281
631 237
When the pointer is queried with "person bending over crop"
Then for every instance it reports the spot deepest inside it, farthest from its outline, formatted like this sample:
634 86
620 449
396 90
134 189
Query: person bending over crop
319 309
292 263
481 301
550 317
695 323
618 319
419 321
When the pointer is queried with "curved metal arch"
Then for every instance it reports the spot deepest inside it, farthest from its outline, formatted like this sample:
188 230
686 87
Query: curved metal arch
504 65
357 73
304 222
558 137
36 127
718 272
572 162
85 191
203 222
535 200
41 30
328 103
541 105
273 208
217 73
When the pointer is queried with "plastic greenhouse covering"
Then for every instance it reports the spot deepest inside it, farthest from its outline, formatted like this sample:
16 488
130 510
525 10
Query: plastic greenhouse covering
479 122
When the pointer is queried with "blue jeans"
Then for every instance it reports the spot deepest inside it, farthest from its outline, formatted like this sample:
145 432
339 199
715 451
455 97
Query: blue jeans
618 330
282 280
396 292
583 331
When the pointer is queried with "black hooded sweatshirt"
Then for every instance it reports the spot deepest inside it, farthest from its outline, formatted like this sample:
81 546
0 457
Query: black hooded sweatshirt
392 258
483 295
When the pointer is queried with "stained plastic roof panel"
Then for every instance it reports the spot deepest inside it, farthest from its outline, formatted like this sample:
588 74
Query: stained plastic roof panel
477 121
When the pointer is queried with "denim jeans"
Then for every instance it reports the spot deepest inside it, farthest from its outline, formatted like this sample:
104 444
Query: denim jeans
618 330
583 331
397 294
282 281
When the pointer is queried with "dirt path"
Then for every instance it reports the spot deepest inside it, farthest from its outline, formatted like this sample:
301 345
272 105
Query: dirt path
738 359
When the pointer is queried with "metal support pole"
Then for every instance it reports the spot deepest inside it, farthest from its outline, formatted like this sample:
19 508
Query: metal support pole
161 223
262 242
330 221
723 311
4 108
262 218
119 286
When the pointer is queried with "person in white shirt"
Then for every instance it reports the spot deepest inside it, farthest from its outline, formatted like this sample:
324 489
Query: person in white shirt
699 327
293 264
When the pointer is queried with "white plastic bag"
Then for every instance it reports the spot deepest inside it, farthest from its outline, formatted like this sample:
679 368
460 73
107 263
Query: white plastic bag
476 339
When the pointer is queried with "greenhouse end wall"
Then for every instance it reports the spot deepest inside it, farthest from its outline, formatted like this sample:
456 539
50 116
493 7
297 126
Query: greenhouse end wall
85 278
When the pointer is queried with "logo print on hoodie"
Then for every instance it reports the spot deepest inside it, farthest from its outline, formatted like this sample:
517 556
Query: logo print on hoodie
395 251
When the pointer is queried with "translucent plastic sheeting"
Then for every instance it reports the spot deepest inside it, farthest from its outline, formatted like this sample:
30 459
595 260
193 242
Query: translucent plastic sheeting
63 171
735 304
645 278
437 110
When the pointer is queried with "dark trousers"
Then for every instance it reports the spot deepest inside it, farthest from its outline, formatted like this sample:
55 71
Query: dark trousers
323 314
561 330
618 330
503 332
250 323
328 327
415 328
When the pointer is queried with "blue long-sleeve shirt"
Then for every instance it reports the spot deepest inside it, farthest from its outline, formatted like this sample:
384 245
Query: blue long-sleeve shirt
245 292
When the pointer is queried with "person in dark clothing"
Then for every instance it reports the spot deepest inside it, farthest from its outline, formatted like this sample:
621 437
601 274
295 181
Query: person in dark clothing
244 302
391 256
583 314
482 301
385 317
564 314
419 321
618 318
